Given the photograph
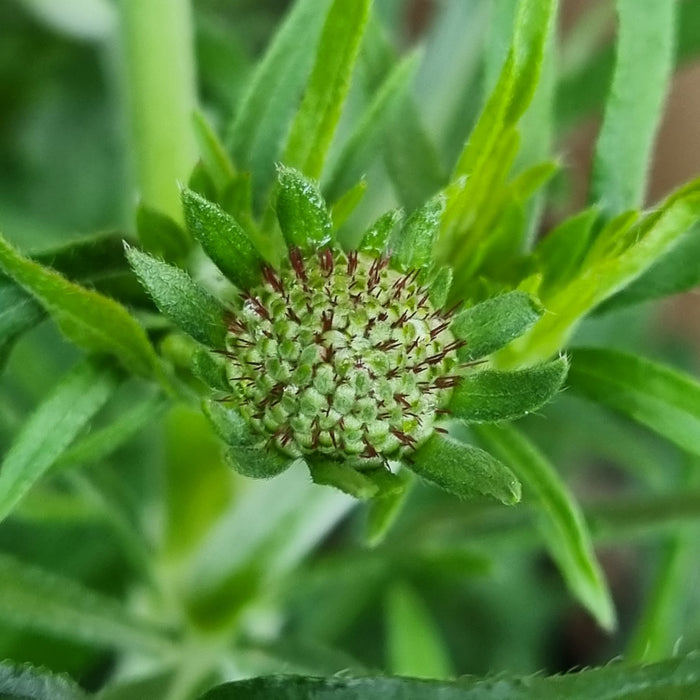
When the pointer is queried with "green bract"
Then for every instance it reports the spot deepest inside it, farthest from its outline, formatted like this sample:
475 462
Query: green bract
350 360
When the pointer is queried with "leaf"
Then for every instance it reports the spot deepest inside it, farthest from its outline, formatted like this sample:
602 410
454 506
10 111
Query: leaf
440 287
212 151
412 246
31 598
52 427
261 123
314 125
302 212
347 203
675 272
99 444
633 111
375 240
561 521
383 510
223 240
657 396
185 303
248 455
90 320
18 311
27 683
341 476
492 395
493 323
675 679
160 234
464 470
414 644
361 146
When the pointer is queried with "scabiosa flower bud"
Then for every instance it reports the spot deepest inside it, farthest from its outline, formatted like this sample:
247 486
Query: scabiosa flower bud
340 355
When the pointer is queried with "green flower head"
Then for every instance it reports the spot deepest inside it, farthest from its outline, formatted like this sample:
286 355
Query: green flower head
353 361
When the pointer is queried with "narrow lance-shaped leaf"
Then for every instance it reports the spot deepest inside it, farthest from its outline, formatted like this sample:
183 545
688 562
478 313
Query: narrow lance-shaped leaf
212 151
185 303
90 320
414 643
561 523
31 598
27 683
223 240
384 509
657 396
52 427
330 473
344 206
376 239
317 118
302 212
464 470
492 395
633 111
261 123
675 679
488 326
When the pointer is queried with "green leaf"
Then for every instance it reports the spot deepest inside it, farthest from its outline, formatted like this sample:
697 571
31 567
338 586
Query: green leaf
223 240
412 246
341 476
347 203
440 287
383 510
493 323
675 679
414 643
90 320
464 470
261 123
643 69
302 212
360 148
31 598
248 455
99 444
160 234
561 251
317 118
185 303
492 395
561 521
18 311
27 683
675 272
657 396
52 427
376 239
621 253
212 151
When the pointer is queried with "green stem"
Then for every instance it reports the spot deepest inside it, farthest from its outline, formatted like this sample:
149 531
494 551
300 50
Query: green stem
159 76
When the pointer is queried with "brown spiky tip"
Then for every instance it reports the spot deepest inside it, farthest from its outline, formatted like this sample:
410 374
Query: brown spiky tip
340 355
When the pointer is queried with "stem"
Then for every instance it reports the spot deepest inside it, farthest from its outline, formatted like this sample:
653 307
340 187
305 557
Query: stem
159 76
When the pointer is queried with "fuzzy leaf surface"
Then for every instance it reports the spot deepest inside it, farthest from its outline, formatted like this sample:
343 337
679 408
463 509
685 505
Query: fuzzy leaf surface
223 240
302 211
464 470
315 122
412 246
488 326
329 473
561 521
90 320
493 395
650 393
183 301
675 679
66 410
